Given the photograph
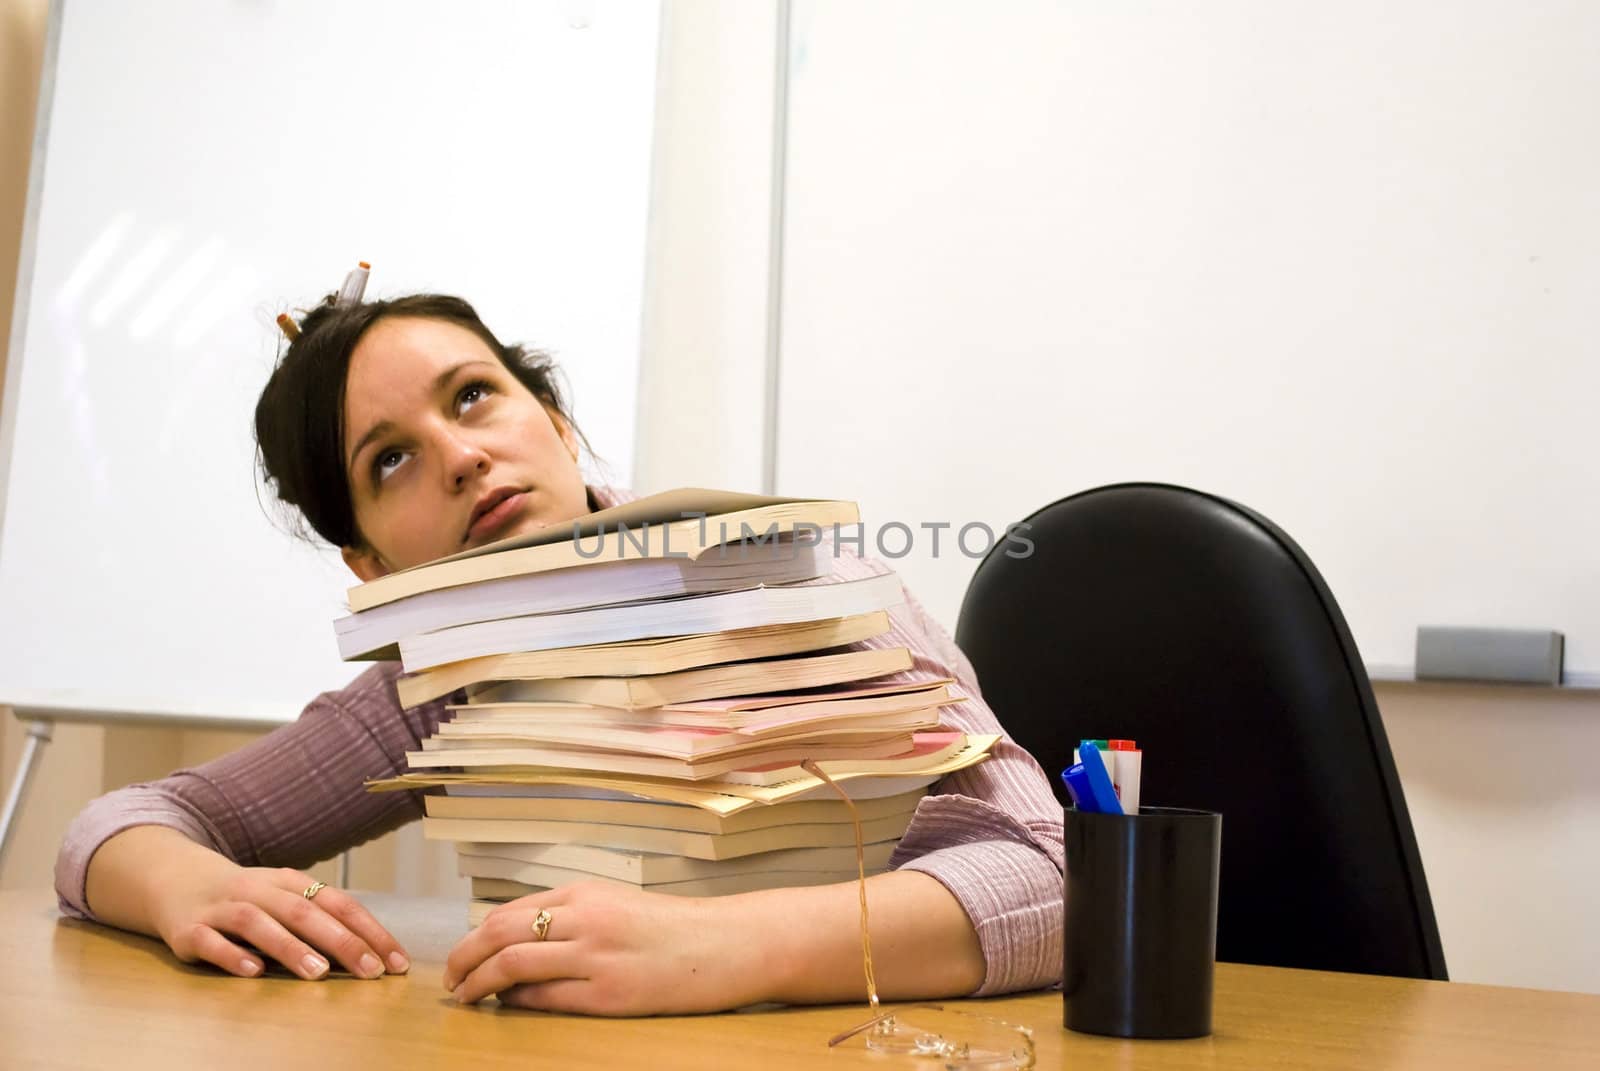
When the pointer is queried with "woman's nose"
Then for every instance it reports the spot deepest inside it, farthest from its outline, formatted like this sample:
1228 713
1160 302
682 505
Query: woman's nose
464 460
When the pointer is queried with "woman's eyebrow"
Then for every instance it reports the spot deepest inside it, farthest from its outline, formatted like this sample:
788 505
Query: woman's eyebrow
443 378
383 427
378 430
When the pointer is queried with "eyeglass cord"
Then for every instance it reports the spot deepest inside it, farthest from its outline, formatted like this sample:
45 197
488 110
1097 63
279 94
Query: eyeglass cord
811 767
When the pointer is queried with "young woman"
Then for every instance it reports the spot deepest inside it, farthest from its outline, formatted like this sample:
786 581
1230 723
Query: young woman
402 431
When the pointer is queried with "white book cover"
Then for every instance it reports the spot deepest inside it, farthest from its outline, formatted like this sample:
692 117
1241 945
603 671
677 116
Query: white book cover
812 600
373 633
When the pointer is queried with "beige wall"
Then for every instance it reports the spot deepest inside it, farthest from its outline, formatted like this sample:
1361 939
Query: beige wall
22 25
21 48
1504 795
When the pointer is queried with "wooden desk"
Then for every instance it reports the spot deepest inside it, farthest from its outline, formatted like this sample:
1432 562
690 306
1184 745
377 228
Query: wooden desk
77 995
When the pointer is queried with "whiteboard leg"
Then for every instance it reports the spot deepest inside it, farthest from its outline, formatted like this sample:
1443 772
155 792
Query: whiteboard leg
344 870
38 735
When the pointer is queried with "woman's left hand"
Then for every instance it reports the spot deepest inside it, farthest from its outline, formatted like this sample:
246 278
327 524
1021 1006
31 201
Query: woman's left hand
608 950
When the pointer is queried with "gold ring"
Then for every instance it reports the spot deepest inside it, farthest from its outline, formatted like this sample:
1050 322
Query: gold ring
541 925
313 889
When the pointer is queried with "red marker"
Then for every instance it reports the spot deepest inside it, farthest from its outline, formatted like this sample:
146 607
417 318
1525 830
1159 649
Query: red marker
1128 759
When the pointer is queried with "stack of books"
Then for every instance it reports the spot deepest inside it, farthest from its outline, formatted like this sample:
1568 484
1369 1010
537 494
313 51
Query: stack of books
640 689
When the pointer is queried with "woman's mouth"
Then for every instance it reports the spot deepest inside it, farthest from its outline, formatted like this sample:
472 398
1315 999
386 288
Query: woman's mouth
494 514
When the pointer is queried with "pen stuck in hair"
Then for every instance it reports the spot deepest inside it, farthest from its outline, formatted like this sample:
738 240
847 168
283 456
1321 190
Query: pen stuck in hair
355 285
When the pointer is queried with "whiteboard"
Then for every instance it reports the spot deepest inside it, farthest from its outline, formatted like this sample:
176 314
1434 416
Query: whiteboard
202 166
1338 262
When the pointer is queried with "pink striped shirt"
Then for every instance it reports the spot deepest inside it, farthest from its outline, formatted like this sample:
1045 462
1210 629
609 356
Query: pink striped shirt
991 834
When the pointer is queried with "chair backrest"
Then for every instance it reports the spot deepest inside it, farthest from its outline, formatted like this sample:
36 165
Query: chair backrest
1199 629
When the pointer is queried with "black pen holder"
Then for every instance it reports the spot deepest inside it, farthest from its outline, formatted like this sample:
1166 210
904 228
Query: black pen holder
1140 945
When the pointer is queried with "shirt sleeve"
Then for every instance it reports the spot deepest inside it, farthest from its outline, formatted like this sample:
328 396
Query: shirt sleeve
291 798
992 833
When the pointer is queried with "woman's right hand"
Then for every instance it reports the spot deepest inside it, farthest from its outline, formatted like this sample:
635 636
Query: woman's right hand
206 907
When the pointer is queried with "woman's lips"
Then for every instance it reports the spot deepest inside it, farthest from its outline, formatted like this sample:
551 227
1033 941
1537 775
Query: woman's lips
486 527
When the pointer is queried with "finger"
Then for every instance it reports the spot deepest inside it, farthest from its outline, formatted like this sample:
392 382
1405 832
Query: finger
352 915
571 996
250 921
529 961
313 923
204 944
348 912
508 924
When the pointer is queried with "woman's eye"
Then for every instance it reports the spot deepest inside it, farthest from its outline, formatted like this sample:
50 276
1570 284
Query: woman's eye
472 394
387 462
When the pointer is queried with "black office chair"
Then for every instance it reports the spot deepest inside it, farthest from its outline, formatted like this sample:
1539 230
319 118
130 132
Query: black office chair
1199 629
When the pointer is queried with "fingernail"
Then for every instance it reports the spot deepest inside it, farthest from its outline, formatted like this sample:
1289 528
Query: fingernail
398 963
249 968
371 967
450 983
314 966
458 992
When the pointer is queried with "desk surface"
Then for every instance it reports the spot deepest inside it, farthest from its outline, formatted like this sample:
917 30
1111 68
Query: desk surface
79 995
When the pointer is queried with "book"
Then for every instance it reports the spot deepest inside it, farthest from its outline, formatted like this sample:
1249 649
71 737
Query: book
715 846
375 634
811 600
478 908
706 682
886 695
681 741
754 716
928 749
668 791
475 859
638 811
503 889
934 759
648 657
686 522
767 768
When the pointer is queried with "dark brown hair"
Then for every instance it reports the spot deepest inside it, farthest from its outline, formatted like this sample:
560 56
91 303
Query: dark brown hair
300 415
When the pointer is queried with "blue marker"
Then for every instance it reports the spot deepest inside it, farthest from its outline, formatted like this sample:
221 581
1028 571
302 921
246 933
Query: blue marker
1089 785
1077 782
1105 793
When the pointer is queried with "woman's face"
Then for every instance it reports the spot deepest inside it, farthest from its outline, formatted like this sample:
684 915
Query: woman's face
445 449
